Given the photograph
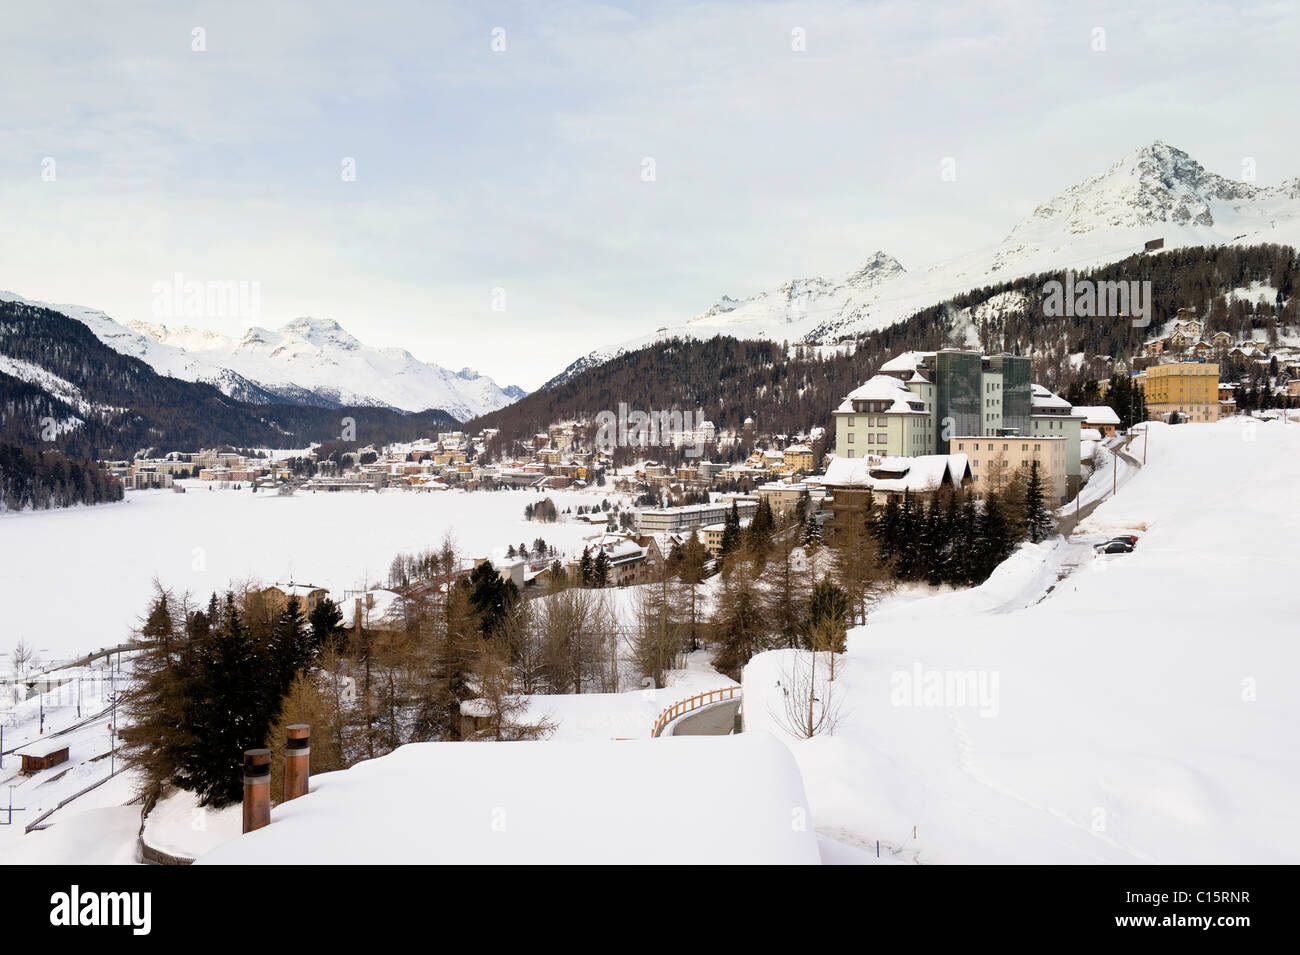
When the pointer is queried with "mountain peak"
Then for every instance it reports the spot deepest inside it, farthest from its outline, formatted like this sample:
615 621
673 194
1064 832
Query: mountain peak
320 331
880 267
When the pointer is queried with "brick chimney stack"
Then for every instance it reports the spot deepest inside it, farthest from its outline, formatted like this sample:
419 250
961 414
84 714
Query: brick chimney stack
257 788
297 760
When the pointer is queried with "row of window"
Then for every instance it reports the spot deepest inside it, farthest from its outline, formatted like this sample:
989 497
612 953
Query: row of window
961 446
872 438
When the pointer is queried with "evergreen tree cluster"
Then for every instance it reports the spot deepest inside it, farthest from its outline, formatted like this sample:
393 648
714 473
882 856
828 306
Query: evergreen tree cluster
210 683
42 479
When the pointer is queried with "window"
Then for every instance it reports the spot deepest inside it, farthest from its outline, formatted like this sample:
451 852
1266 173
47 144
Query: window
961 446
1024 447
977 447
850 421
850 454
850 437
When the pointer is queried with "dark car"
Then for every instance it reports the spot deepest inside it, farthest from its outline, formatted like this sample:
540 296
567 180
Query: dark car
1116 545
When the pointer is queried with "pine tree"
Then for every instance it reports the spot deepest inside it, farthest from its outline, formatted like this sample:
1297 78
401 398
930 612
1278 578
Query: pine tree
1038 520
738 623
228 711
695 558
155 736
324 621
995 540
828 613
600 569
731 533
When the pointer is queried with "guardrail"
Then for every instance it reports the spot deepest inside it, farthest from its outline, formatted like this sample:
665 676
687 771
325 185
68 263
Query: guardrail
39 821
692 703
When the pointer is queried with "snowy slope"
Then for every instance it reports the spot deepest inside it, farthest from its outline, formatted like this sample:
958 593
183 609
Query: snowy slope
1142 707
1156 191
308 361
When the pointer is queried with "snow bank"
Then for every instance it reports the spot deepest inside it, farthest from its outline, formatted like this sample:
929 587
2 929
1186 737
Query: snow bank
180 827
1139 711
688 800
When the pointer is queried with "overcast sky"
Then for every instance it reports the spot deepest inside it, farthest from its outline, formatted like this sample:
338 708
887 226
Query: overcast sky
523 169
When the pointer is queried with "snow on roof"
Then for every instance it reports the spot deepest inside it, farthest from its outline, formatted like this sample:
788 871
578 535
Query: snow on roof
1102 414
297 590
376 606
798 449
921 473
1089 434
883 388
1042 398
907 361
619 802
39 749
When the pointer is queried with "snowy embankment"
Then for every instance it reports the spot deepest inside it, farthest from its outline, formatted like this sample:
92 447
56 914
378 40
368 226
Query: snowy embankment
1139 711
681 801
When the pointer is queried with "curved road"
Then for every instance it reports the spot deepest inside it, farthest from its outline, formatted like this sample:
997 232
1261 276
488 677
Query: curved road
718 719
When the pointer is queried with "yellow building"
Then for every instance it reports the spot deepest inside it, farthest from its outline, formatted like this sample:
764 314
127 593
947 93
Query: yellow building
1189 388
799 457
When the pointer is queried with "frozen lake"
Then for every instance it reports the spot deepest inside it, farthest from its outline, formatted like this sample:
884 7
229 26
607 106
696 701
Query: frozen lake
78 579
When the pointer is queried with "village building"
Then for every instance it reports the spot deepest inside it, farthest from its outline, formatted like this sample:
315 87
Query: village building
995 462
309 595
673 520
882 477
1101 418
1189 389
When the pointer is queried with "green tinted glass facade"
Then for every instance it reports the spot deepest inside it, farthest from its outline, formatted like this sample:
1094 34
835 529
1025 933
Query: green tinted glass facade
957 395
1016 391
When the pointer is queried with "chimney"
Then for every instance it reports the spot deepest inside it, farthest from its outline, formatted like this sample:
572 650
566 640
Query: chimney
257 788
297 760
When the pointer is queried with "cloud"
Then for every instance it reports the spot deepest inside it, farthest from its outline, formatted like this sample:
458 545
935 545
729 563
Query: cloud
523 169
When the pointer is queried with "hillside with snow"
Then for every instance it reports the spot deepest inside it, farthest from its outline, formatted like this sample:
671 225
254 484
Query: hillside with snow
1155 192
307 361
1126 708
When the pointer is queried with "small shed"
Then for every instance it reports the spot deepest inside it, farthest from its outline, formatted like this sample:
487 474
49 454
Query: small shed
42 755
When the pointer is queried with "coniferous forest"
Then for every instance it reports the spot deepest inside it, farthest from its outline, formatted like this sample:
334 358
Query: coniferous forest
788 388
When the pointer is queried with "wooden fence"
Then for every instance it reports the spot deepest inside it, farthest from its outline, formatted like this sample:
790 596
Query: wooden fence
692 703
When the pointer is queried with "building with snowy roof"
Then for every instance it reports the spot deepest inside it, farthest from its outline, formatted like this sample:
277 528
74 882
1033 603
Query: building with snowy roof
1101 417
883 477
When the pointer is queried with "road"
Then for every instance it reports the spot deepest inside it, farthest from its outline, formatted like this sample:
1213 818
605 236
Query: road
718 719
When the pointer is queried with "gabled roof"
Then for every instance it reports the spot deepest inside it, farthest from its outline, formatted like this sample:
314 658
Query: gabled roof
883 388
1101 414
922 473
1040 397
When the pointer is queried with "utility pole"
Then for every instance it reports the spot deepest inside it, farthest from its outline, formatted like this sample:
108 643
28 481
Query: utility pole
1114 473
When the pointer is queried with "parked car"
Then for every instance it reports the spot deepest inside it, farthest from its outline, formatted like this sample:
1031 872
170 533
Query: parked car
1114 547
1117 545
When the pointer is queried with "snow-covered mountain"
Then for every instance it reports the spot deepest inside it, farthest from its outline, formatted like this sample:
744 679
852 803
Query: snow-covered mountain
308 361
1155 192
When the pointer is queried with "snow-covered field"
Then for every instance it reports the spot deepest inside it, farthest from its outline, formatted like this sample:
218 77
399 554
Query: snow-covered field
77 579
1141 710
680 801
